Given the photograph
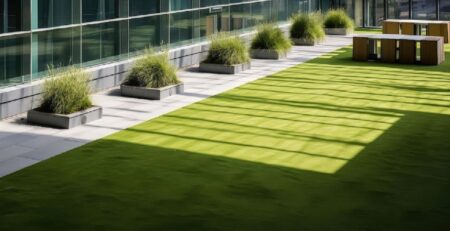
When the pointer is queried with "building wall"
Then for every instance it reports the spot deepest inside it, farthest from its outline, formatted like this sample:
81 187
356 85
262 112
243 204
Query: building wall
38 34
371 13
19 99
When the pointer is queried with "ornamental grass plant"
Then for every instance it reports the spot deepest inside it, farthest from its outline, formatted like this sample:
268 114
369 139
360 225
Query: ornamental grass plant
227 49
338 19
307 26
66 91
270 37
153 71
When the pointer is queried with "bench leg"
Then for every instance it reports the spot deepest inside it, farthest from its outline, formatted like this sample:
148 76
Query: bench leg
389 50
360 49
445 28
432 52
407 51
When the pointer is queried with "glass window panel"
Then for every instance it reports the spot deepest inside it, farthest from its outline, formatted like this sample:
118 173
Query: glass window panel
424 9
260 13
280 10
213 22
315 5
101 43
398 9
180 4
57 48
143 7
374 13
293 7
147 33
348 5
57 13
444 13
204 3
13 15
236 1
181 28
209 23
14 60
240 15
97 10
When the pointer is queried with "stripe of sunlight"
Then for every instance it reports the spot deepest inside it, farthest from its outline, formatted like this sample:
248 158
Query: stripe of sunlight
299 145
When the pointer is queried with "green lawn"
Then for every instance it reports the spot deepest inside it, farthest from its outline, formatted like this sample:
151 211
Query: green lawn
362 30
327 145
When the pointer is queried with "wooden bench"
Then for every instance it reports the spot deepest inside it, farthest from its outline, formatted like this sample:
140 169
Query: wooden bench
414 27
399 48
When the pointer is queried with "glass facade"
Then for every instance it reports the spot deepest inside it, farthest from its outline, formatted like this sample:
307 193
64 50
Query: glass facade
14 15
424 9
370 13
36 34
444 10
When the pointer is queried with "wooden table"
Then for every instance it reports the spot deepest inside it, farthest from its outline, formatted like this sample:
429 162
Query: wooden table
399 48
414 27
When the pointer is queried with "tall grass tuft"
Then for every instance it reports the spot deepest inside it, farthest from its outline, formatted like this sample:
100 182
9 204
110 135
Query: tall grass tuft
338 19
271 37
307 26
227 50
153 71
66 91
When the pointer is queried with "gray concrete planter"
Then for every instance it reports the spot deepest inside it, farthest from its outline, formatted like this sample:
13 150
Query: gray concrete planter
337 31
223 69
64 121
304 42
267 54
151 93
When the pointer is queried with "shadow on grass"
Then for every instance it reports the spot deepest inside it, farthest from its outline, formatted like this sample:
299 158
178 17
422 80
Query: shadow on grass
398 182
327 145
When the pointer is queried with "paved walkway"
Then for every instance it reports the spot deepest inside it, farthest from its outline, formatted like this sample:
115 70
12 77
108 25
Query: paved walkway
22 145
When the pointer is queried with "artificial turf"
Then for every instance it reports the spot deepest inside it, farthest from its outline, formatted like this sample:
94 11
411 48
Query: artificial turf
361 30
331 144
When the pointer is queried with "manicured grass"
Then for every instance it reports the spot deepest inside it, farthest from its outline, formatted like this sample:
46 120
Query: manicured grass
328 145
361 30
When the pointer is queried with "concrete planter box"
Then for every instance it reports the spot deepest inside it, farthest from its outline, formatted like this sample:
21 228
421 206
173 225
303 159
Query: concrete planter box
223 69
304 42
267 54
337 31
151 93
64 121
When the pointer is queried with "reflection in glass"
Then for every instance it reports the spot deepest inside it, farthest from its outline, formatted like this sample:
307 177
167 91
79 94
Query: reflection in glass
240 15
57 13
57 48
374 13
146 33
398 9
424 9
142 7
101 43
14 60
444 11
181 28
96 10
260 13
180 4
12 13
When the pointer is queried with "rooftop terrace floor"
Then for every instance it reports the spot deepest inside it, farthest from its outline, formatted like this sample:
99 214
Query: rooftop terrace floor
329 144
